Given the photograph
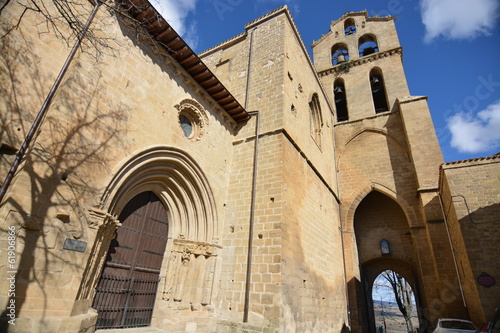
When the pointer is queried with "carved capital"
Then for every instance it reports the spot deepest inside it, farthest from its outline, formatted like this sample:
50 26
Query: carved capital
102 221
195 248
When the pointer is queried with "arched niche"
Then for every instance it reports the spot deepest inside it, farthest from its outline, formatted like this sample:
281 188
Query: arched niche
379 217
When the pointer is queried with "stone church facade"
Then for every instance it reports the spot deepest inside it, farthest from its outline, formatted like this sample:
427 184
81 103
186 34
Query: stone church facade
244 189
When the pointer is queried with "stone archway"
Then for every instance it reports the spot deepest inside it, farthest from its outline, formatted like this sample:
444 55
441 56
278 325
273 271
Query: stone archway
177 180
377 217
372 269
190 265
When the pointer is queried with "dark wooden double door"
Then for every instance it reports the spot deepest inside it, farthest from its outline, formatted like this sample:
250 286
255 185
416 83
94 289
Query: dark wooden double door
126 291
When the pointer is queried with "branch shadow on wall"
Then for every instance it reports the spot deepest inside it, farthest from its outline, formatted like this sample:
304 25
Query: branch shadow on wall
49 198
163 57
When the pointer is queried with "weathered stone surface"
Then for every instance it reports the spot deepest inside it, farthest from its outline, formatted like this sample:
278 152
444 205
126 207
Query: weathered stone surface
326 191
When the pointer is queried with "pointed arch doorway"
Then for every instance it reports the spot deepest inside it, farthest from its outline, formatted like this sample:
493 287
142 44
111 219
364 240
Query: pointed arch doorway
126 291
384 241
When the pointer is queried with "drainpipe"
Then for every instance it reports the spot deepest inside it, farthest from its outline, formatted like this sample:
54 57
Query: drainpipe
252 216
340 227
345 268
254 186
46 104
452 249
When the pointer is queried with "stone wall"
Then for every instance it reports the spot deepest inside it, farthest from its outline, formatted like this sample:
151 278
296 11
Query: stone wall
470 194
297 261
116 114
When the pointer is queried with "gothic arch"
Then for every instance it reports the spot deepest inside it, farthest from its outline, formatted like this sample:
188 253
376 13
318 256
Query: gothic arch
316 118
348 223
177 180
372 130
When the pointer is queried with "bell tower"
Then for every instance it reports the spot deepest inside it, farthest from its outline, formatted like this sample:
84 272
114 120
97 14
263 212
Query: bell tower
387 160
360 57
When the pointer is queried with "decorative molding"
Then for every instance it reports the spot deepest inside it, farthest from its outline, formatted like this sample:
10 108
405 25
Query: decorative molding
198 116
344 67
187 247
102 221
105 226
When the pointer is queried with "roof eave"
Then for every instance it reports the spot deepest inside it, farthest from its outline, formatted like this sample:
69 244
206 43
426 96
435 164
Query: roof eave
160 30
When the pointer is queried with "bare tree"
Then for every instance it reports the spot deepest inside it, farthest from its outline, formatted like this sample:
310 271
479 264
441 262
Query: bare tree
403 295
65 19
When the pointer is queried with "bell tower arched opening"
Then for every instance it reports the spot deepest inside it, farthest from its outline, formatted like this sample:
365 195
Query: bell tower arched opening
349 27
367 44
378 90
340 54
340 100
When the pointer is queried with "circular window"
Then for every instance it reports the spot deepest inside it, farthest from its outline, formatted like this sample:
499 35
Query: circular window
192 119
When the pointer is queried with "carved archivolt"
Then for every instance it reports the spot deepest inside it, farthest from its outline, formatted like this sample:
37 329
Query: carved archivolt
196 115
191 261
177 180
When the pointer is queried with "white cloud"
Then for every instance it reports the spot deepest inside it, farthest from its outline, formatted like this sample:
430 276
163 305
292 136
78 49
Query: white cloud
471 134
176 13
458 19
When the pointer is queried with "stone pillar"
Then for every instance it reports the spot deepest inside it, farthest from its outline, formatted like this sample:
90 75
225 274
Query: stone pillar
422 140
103 226
190 274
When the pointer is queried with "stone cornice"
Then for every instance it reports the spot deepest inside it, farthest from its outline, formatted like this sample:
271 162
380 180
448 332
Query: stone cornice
343 67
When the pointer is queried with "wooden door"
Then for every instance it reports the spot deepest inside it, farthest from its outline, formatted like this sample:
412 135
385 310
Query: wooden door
126 292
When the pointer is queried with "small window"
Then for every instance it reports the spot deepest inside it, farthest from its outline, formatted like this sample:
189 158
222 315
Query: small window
367 45
340 100
192 119
385 248
186 125
349 27
339 54
316 119
378 90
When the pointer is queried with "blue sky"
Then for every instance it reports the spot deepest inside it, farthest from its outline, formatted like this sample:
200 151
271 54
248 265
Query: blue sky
451 53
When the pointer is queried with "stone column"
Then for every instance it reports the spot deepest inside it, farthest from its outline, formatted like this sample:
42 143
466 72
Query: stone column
103 226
